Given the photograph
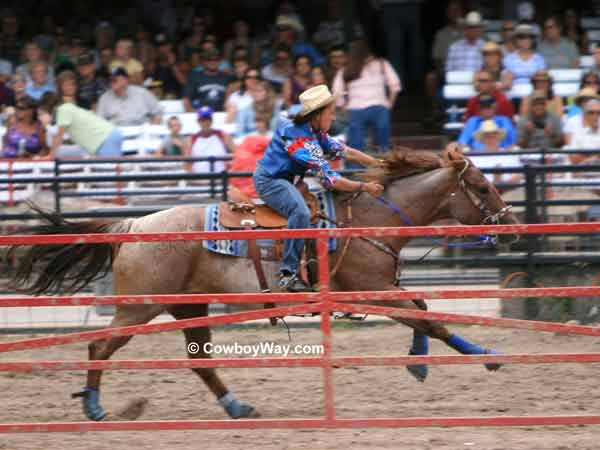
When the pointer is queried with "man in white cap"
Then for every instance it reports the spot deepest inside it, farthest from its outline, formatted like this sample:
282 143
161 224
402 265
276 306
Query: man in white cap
465 54
298 145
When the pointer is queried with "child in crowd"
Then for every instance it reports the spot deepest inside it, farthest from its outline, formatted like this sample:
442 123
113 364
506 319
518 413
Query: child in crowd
174 144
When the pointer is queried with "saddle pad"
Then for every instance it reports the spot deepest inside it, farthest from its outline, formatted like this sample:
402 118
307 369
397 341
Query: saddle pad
239 248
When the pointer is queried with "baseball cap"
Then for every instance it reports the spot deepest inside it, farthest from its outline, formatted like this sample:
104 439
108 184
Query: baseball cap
485 101
119 72
84 59
205 112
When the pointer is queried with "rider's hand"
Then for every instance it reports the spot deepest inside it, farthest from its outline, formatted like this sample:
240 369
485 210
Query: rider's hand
375 189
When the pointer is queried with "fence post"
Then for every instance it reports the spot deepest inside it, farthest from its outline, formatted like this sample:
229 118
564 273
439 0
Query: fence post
224 185
211 165
56 186
531 216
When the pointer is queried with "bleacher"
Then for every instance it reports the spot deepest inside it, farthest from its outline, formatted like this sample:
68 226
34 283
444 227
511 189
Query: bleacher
459 84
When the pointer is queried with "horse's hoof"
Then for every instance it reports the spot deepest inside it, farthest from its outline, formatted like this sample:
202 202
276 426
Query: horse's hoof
90 401
237 410
492 367
419 371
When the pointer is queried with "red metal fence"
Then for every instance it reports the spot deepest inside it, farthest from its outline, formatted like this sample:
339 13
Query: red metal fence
324 302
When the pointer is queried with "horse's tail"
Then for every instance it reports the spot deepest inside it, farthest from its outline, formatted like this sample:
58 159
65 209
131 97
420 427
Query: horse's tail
62 268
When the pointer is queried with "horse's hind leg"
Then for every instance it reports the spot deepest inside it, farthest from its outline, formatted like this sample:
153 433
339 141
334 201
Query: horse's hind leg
199 337
104 349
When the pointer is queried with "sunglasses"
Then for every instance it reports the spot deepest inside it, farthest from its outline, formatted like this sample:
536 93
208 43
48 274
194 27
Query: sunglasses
508 29
523 36
541 80
485 80
591 82
253 77
594 112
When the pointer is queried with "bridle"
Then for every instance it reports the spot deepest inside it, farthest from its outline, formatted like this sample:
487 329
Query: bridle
489 217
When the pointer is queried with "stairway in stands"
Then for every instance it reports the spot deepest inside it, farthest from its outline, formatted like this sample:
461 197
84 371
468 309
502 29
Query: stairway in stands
407 123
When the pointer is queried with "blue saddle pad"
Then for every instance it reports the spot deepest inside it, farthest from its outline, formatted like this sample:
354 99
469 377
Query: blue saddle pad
239 248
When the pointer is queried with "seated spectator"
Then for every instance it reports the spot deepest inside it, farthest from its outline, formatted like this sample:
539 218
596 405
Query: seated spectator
465 54
318 76
39 84
174 144
97 136
336 60
66 87
542 82
574 123
508 37
289 31
91 87
590 80
17 93
124 58
575 32
539 127
245 157
209 46
298 82
167 70
209 142
33 54
588 136
558 52
6 70
490 138
126 105
144 51
487 111
27 137
264 104
485 85
331 30
241 38
492 63
524 62
106 57
207 87
244 96
280 69
240 67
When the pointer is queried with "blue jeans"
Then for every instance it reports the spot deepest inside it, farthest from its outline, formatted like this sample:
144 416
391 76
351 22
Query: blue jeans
112 145
283 197
359 121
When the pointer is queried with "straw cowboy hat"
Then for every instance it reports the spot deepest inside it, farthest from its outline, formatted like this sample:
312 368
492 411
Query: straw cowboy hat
586 94
487 127
314 98
473 19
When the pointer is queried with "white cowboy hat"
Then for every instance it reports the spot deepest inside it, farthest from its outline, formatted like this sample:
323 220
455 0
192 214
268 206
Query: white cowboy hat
314 98
473 19
487 127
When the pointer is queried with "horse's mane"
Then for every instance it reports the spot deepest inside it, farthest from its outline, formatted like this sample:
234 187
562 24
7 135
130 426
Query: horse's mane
402 162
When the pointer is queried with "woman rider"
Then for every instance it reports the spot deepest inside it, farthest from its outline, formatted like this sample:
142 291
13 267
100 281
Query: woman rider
298 145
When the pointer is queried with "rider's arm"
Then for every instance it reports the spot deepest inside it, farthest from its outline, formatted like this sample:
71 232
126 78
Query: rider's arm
356 156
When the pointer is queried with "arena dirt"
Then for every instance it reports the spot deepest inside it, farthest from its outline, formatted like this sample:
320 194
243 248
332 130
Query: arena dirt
360 392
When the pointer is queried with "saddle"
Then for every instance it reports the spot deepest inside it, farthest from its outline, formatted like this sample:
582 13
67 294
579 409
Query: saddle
241 212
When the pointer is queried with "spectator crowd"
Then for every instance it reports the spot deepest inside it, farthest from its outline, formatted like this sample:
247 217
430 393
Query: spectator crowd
58 87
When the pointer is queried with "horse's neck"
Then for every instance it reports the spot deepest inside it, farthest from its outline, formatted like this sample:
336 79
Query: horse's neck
421 198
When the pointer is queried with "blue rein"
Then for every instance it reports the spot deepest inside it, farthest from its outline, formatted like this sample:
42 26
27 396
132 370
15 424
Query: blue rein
482 238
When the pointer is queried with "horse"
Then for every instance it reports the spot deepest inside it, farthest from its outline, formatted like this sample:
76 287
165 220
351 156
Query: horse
424 186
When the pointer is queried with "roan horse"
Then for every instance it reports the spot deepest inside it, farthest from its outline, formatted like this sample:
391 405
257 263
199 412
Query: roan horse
425 186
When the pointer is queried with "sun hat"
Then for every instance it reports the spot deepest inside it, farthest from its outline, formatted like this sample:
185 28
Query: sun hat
488 127
491 47
585 94
314 98
524 30
472 19
284 21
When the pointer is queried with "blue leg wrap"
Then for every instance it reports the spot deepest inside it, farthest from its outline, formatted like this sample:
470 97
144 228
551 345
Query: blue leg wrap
90 400
465 347
420 346
235 408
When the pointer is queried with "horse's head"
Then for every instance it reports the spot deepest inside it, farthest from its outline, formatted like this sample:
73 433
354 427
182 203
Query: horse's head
476 200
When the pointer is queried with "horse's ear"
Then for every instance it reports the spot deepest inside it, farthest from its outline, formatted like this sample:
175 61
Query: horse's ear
453 153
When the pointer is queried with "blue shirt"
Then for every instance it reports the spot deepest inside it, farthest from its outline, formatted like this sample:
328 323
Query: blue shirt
295 149
472 126
523 70
36 93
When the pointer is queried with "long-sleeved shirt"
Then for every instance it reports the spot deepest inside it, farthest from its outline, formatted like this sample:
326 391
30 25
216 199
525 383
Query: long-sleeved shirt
370 88
295 149
463 55
467 136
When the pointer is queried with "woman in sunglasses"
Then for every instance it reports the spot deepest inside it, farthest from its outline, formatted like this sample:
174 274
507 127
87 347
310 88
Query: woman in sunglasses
525 61
541 81
27 137
590 81
241 90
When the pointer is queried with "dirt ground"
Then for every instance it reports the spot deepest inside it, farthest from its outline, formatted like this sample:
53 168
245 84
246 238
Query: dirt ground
360 392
